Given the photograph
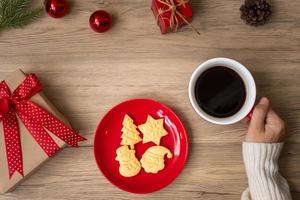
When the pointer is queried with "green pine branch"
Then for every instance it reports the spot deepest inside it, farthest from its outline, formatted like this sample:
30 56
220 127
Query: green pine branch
14 13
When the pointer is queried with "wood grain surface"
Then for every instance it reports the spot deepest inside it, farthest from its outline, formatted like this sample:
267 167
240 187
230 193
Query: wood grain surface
85 74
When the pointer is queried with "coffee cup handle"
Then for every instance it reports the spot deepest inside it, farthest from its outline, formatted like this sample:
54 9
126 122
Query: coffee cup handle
250 114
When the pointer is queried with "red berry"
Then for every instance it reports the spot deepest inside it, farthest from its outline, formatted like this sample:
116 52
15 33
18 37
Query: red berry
57 8
100 21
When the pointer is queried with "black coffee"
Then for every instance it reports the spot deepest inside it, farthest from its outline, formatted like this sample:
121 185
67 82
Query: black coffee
220 92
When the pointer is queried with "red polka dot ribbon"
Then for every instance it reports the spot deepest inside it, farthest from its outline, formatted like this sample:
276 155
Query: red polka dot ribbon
36 120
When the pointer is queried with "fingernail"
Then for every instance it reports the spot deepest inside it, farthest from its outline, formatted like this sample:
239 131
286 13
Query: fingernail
264 100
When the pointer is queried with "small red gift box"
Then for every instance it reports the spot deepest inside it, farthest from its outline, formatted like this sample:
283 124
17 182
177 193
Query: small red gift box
171 14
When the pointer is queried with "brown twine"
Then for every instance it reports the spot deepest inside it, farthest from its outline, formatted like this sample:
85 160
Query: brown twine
173 20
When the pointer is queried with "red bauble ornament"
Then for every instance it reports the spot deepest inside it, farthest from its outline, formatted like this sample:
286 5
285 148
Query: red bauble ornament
57 8
100 21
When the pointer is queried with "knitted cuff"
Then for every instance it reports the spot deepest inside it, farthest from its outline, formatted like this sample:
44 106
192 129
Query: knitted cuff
265 181
261 156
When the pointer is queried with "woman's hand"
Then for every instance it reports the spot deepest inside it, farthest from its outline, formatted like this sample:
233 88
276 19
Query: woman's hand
265 125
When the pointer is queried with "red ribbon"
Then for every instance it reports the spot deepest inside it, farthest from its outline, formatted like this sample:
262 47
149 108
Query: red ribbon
35 119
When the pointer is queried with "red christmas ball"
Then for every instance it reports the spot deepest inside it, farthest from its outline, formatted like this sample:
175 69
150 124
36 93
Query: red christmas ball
100 21
56 8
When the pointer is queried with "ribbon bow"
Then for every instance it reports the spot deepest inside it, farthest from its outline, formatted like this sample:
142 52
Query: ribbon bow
35 119
172 7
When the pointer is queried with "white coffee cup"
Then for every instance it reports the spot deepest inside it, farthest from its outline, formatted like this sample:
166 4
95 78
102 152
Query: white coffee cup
249 85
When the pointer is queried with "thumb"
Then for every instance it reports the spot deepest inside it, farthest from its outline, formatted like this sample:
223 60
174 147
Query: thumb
259 114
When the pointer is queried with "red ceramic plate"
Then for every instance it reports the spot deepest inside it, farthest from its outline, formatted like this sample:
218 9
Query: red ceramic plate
108 138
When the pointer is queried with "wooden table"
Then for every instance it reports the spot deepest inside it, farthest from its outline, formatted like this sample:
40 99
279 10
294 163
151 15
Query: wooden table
86 73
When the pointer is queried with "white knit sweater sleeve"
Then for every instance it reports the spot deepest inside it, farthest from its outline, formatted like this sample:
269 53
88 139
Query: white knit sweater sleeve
265 181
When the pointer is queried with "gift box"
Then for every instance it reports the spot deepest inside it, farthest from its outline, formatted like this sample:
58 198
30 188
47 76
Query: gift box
32 129
171 14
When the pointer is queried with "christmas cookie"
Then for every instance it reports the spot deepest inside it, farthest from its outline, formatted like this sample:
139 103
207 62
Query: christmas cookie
153 130
130 134
153 159
129 164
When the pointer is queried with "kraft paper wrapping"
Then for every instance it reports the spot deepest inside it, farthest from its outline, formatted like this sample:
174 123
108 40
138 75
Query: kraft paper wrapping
33 154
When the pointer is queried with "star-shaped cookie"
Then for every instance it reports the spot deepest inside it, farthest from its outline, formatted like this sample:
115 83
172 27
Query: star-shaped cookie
153 130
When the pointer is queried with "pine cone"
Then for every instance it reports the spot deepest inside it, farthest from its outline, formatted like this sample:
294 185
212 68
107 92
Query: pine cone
255 12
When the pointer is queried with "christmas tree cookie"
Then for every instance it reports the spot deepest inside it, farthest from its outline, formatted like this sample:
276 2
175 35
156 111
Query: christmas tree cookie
130 134
153 159
129 164
153 130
